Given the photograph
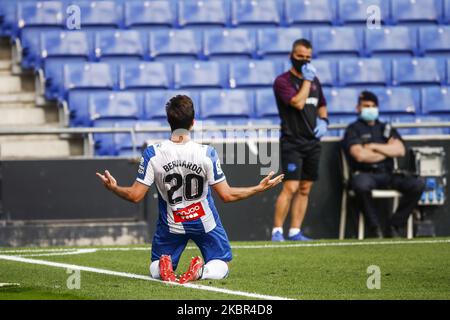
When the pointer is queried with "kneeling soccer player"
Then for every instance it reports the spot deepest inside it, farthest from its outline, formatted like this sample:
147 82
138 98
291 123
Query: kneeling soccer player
183 171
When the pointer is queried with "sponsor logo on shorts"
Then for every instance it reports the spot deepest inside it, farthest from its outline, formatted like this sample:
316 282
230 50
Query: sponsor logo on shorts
190 213
292 167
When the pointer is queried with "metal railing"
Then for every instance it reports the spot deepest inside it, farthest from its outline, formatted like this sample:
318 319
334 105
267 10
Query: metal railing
88 133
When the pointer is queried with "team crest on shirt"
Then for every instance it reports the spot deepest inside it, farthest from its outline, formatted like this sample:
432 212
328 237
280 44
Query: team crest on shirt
190 213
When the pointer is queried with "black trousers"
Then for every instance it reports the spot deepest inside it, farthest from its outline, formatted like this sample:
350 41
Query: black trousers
410 187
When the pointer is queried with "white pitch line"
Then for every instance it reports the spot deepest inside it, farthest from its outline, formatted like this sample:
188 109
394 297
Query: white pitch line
68 253
140 277
265 246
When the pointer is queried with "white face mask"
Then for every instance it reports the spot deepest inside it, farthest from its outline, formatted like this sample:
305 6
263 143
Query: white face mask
369 114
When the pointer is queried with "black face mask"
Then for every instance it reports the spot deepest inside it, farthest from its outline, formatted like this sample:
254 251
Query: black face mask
298 64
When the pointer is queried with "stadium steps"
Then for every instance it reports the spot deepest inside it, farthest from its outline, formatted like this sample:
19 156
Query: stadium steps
32 148
18 110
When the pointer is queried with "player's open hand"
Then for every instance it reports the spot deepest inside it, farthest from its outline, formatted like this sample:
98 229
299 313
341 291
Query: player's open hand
268 182
108 180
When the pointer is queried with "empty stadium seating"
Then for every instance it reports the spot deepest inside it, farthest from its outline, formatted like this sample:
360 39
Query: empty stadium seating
225 54
417 71
364 72
434 40
310 12
175 43
149 13
144 75
251 12
200 12
391 40
253 73
357 11
407 11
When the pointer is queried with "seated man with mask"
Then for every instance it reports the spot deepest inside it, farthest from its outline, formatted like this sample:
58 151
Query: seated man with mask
370 146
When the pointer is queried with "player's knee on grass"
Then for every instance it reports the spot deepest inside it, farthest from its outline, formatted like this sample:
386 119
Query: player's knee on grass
154 270
215 270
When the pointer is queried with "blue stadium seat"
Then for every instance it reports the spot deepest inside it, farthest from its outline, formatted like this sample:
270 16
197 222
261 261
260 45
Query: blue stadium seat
251 12
65 44
39 13
447 11
197 74
30 42
417 71
78 107
253 73
119 43
356 11
226 103
228 43
53 73
436 100
89 76
341 101
149 13
99 13
201 12
326 71
8 14
310 12
144 75
175 43
408 11
265 103
331 41
114 144
434 40
391 40
156 100
398 101
115 105
277 42
448 71
364 72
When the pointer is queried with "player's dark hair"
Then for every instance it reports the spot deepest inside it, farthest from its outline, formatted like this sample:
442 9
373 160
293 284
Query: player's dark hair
301 42
368 96
180 112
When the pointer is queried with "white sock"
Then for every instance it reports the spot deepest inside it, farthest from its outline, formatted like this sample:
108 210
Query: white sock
215 269
293 231
277 229
154 269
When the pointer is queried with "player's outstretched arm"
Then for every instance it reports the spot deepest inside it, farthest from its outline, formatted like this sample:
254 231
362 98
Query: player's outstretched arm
135 193
231 194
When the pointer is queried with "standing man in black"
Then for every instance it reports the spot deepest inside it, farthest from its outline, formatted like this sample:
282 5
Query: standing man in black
370 146
302 108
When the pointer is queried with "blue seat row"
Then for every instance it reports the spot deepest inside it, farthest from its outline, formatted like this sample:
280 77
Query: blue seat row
272 43
62 77
392 100
122 14
86 107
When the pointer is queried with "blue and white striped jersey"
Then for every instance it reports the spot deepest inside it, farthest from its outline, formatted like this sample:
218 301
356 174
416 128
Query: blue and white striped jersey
183 174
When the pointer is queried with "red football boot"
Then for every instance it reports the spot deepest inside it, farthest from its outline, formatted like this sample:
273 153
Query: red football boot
166 269
194 272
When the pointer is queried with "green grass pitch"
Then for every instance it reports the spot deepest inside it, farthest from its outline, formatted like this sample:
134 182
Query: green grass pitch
409 269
